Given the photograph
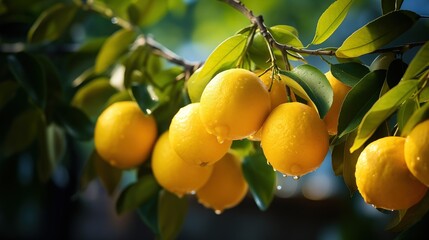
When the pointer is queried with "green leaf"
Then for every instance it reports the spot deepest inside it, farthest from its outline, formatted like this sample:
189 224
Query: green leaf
7 92
355 106
113 48
260 177
395 72
377 33
22 132
330 20
52 23
390 5
145 97
150 11
424 95
349 73
419 64
418 116
171 214
286 34
137 193
405 111
382 61
30 75
76 123
406 218
148 212
381 110
225 56
295 87
315 85
88 173
109 176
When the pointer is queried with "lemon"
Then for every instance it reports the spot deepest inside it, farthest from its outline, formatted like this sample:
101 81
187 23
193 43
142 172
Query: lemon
340 91
173 173
124 135
234 104
226 187
382 176
417 152
190 139
294 139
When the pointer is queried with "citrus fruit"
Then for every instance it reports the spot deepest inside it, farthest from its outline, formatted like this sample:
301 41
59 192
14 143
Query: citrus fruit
340 91
277 90
124 135
417 152
190 139
174 174
226 186
234 104
382 176
294 139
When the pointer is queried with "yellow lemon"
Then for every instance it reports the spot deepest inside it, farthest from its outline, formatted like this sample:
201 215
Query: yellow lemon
190 139
340 91
226 186
294 139
417 152
234 104
173 173
124 135
382 176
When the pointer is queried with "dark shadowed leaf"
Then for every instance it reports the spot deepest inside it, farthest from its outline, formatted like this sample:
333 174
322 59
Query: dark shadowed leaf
22 132
113 48
377 33
331 19
381 110
145 97
137 194
419 64
349 73
390 5
52 23
260 177
315 85
88 173
355 107
109 176
395 72
7 92
30 75
76 123
148 212
171 214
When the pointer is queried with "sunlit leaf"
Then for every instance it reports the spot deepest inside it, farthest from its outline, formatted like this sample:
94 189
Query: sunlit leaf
377 33
419 64
406 218
30 75
424 95
52 23
330 20
315 85
225 56
7 92
381 110
390 5
109 176
355 106
150 11
418 116
171 214
260 177
349 73
137 193
286 34
75 122
113 48
405 111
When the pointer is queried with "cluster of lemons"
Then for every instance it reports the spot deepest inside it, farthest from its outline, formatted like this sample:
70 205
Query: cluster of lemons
194 155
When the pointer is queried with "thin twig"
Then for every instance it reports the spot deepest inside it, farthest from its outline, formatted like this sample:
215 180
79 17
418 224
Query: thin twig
284 48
